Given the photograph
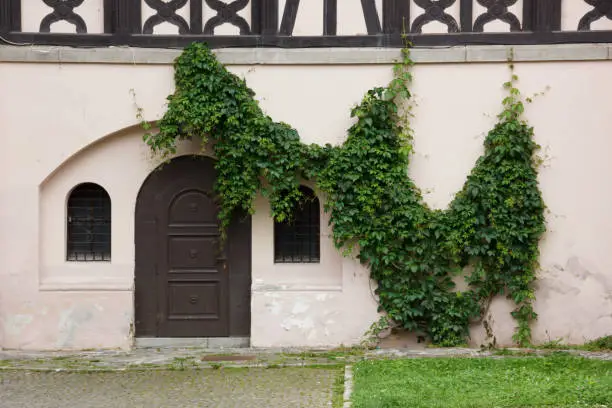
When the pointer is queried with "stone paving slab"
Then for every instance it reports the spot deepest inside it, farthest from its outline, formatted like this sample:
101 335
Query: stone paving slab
227 388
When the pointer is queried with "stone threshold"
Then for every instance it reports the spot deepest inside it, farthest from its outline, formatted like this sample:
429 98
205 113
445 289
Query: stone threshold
192 342
310 56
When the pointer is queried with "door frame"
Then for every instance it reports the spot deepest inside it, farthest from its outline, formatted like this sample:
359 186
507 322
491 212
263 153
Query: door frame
146 282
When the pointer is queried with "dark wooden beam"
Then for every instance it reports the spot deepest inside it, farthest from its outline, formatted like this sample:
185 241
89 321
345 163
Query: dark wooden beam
255 16
466 15
528 15
396 16
289 16
330 17
380 40
546 15
371 16
122 17
542 16
10 16
109 16
195 17
264 17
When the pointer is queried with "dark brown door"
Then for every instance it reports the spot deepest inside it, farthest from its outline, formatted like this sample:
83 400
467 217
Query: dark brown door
187 283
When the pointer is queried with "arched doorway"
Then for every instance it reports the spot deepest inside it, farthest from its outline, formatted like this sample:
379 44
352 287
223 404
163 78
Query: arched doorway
187 284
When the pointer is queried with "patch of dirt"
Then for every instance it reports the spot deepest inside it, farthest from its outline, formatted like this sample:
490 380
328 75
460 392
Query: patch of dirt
402 340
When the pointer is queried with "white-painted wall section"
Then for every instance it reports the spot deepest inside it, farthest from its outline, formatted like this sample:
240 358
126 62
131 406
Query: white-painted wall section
63 124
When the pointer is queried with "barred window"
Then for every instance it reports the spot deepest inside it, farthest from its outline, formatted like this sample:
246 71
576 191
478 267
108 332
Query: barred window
298 239
89 224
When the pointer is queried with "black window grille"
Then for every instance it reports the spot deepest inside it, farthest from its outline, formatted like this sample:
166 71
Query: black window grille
89 224
298 239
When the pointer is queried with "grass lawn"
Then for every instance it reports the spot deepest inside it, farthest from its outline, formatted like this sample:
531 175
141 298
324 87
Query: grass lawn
558 381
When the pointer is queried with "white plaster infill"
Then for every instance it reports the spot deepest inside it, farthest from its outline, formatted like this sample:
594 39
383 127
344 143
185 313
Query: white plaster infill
310 56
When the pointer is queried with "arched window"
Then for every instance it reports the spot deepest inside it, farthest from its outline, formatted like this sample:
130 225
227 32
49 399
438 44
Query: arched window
298 240
89 224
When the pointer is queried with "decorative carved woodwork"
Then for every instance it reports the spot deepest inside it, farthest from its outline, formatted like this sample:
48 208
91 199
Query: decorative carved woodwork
601 8
123 24
227 13
63 10
497 10
435 11
166 13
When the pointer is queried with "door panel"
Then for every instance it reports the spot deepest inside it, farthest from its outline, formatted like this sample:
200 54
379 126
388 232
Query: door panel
193 208
193 300
197 289
192 252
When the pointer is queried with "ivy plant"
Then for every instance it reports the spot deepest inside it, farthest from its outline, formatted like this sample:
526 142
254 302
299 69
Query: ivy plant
489 234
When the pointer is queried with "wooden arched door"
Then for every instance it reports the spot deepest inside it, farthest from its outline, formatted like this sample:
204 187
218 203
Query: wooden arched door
187 284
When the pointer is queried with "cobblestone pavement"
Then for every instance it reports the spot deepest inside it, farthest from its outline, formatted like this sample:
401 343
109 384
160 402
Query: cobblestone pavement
226 387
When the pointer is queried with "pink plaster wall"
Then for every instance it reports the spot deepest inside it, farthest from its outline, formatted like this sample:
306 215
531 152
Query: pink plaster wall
55 132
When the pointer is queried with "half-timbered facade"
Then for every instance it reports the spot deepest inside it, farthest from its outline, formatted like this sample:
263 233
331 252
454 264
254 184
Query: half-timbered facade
298 24
100 247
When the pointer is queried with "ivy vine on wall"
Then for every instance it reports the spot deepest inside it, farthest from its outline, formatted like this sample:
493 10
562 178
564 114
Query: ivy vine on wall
489 234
